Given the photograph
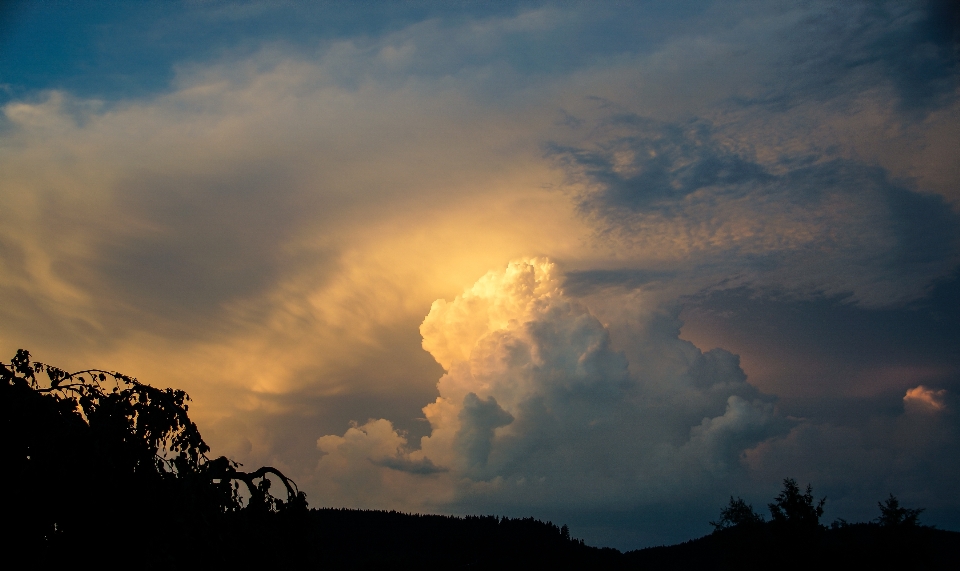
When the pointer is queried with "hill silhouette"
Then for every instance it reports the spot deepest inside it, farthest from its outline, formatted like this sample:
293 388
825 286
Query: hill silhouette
850 546
96 466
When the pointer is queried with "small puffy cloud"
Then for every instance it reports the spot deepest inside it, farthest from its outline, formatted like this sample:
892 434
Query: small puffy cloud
922 399
373 441
369 466
376 441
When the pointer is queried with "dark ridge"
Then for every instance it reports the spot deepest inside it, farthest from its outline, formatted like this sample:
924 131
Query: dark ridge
848 546
361 539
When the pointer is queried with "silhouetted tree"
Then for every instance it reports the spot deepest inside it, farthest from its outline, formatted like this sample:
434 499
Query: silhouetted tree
92 453
737 513
794 539
893 515
794 509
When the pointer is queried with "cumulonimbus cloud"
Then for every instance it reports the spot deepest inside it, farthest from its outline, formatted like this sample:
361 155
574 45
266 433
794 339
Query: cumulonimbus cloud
268 230
537 407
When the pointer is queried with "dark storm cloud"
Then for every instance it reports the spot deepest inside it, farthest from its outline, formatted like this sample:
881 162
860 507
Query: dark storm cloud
665 163
422 466
839 50
844 346
875 389
691 175
581 282
478 419
923 59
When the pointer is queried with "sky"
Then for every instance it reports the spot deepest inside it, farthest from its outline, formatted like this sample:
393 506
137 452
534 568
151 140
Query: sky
602 263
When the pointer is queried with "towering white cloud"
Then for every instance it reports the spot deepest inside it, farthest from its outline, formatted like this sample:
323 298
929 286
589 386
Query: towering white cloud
537 408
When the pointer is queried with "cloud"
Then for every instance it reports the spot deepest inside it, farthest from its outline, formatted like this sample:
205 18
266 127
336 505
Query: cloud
376 442
367 466
537 408
583 282
853 463
478 420
922 399
420 466
657 165
265 220
238 236
594 405
720 440
907 47
804 225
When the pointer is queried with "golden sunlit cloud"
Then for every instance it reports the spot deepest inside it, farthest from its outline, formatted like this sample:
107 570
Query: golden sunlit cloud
920 398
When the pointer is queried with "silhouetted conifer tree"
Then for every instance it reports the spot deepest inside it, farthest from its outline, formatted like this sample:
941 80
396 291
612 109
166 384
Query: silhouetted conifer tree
737 513
794 509
892 514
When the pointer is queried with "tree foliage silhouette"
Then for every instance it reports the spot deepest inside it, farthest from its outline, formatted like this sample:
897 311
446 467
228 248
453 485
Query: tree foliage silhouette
737 513
95 451
892 514
794 509
794 539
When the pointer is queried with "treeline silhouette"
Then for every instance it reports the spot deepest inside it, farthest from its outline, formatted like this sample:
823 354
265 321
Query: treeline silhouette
794 538
98 467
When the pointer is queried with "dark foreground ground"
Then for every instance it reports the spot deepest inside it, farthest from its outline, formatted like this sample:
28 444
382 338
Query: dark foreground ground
354 539
854 546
